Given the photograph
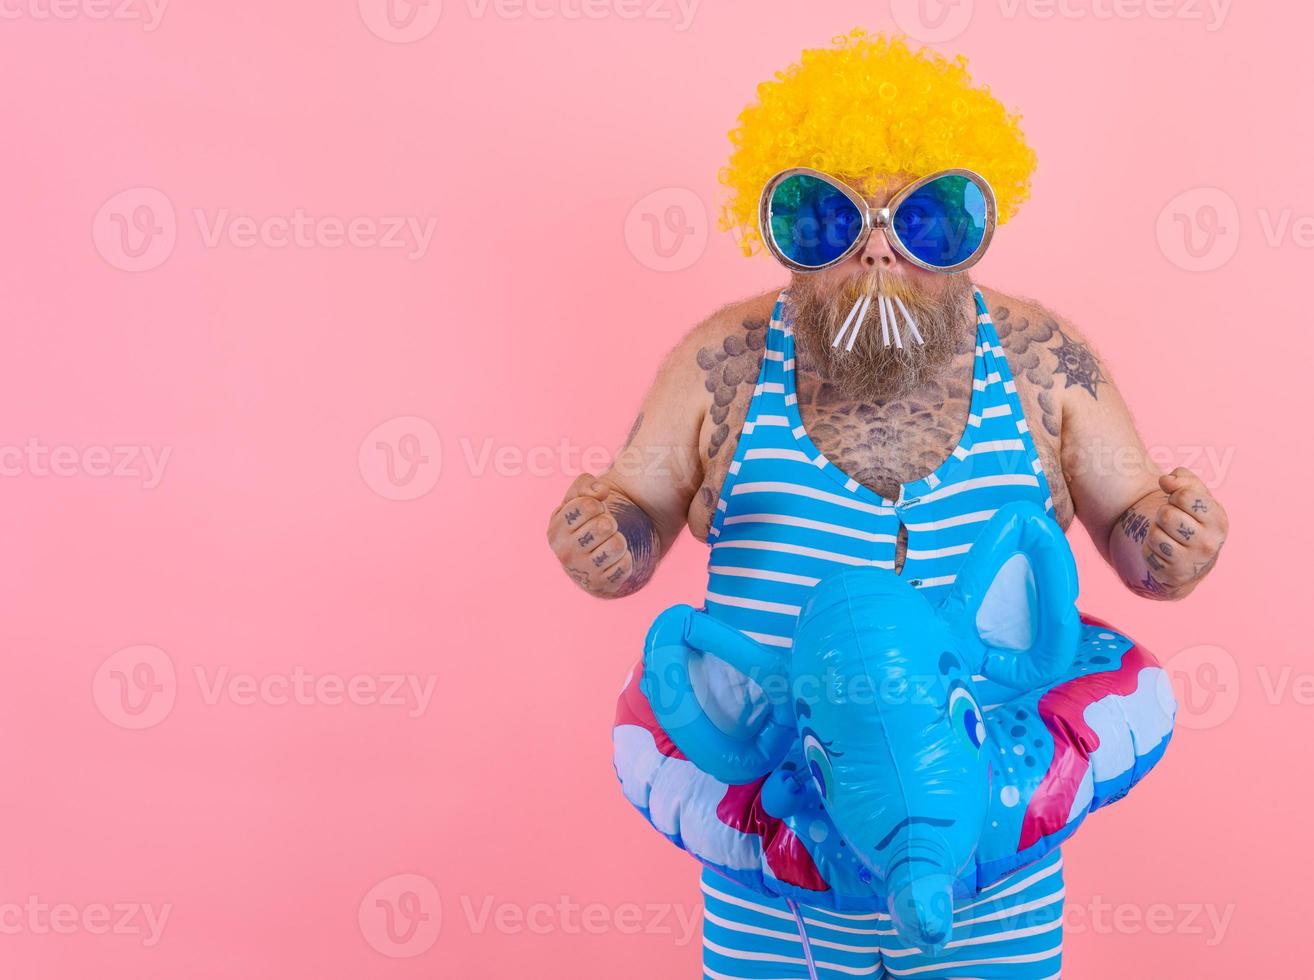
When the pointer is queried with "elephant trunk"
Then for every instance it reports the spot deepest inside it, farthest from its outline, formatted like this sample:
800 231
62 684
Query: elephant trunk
920 889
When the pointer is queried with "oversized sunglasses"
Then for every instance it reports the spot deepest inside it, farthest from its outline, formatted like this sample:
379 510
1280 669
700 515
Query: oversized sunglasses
942 222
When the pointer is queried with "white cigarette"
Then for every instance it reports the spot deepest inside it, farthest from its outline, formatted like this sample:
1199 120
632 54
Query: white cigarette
894 323
862 316
847 320
912 324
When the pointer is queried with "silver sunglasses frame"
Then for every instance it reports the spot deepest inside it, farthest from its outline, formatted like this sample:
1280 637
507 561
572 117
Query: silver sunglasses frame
875 218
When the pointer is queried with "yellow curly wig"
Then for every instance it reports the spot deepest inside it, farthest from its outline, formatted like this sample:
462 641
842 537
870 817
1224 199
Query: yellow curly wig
871 106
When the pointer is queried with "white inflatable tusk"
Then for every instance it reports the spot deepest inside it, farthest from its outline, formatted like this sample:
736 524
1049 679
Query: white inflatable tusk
885 323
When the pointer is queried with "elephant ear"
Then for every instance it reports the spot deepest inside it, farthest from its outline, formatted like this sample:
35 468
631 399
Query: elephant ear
708 686
1012 606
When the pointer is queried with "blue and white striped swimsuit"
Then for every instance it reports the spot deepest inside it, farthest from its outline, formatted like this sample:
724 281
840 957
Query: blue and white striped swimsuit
787 518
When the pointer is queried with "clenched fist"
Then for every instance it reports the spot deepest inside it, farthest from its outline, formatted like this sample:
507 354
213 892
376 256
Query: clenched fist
585 536
1181 540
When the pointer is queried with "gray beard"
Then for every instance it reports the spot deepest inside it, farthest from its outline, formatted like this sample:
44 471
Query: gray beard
872 371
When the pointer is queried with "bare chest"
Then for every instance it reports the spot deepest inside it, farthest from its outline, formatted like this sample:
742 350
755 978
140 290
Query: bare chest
885 444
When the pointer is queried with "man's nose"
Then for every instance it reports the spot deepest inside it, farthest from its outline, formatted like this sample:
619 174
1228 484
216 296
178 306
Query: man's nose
877 252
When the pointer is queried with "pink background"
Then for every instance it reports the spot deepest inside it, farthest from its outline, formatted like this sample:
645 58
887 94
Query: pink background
544 146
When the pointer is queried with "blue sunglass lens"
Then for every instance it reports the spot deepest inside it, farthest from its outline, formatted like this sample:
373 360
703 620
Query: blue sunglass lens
943 222
812 223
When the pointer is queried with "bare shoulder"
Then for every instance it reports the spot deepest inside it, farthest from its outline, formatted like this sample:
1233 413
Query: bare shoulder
702 382
717 357
728 352
1052 362
720 361
1048 354
731 322
683 388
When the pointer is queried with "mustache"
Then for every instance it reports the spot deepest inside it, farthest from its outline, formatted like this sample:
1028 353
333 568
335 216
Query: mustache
838 300
868 363
877 280
889 318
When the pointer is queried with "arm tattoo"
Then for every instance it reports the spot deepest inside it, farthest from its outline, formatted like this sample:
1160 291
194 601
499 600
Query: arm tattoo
735 361
1135 524
1078 364
641 538
1151 588
1023 338
634 431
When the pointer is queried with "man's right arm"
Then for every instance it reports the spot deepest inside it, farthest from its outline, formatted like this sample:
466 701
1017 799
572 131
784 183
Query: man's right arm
611 530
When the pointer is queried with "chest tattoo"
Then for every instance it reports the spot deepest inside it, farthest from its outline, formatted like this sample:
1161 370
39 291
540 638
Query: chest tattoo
884 444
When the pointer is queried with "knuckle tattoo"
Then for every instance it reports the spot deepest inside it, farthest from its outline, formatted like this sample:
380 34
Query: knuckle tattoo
1135 526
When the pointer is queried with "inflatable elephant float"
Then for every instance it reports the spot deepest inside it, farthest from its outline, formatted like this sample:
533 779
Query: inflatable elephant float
860 769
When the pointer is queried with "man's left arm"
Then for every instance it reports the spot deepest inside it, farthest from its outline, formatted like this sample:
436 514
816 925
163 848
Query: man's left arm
1160 531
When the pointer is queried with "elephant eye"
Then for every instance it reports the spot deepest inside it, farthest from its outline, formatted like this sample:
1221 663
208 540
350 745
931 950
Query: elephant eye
965 715
818 760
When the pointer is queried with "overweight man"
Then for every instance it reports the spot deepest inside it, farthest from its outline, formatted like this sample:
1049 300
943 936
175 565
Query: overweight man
877 409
